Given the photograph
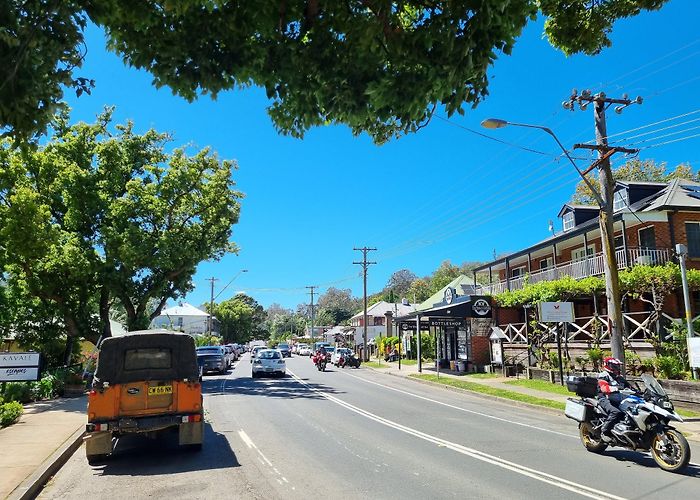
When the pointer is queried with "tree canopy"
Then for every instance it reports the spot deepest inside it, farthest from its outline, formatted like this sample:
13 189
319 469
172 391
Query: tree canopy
336 306
374 65
101 214
242 319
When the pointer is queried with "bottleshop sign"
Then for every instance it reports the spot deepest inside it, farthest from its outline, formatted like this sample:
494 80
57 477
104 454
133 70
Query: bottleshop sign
19 366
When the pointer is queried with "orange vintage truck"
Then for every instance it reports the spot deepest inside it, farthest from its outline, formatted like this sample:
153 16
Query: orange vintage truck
145 382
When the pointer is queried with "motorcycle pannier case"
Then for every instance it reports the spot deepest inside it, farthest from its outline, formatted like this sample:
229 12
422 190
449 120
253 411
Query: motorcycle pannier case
576 410
585 387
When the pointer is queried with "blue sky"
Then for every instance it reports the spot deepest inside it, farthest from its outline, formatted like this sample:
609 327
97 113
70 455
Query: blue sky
443 193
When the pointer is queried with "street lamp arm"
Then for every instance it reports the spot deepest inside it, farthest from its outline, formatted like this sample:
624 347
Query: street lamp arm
497 123
232 280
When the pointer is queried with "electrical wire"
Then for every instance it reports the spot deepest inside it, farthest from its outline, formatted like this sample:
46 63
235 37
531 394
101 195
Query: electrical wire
656 138
670 142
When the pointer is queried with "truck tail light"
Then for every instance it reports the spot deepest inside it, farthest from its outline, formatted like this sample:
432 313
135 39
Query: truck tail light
191 418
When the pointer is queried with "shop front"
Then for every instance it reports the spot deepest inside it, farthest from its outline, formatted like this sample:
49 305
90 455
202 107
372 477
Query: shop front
459 326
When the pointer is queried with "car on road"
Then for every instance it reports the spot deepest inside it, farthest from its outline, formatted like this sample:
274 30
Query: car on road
339 353
212 358
304 350
255 350
283 347
230 354
146 382
269 362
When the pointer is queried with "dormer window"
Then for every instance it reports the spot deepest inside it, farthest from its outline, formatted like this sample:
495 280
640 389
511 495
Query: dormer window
568 221
620 199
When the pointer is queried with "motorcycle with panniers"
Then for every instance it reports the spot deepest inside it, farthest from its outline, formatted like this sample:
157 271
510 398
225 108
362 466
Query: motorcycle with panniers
644 426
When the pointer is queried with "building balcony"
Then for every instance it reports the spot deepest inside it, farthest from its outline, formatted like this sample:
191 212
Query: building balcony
591 266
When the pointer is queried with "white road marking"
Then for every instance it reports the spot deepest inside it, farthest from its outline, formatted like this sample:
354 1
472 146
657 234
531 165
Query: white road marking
514 422
544 477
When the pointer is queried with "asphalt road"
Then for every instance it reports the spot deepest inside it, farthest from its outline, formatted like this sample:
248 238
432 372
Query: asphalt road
362 434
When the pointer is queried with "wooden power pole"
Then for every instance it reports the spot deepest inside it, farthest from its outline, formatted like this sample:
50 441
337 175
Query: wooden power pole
605 199
365 264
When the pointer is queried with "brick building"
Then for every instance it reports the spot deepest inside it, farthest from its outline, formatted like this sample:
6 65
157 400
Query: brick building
650 219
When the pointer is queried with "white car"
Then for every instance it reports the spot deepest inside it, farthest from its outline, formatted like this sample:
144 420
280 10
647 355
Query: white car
339 352
303 350
255 350
269 362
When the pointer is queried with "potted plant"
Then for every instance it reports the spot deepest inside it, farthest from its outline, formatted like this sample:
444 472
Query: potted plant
74 385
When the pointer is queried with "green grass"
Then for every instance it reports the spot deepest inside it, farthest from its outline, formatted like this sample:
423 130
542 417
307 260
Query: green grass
492 391
409 362
482 375
687 413
374 364
541 385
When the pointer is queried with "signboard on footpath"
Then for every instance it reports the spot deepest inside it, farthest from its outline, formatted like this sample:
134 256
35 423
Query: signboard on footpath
556 312
694 351
19 366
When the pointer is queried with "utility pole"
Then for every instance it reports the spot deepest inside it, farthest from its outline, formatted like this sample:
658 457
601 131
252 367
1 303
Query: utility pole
211 305
605 200
365 264
311 291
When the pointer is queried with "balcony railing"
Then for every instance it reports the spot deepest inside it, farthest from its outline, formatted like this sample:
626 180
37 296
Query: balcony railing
583 268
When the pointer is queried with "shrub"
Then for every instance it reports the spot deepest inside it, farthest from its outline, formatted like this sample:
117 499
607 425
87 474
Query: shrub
17 391
670 367
10 413
595 355
553 359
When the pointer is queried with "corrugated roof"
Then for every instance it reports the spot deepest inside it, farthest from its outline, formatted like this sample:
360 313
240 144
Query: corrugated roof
680 193
382 307
183 309
438 296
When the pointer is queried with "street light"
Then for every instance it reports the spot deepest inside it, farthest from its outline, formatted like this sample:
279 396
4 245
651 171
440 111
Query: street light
605 225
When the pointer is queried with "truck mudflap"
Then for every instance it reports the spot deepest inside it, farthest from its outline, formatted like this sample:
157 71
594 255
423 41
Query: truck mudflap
191 434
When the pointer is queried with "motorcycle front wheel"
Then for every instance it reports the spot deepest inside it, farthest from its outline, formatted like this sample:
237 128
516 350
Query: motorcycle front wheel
590 438
670 450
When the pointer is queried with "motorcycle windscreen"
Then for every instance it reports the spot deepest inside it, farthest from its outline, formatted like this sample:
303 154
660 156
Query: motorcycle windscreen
653 385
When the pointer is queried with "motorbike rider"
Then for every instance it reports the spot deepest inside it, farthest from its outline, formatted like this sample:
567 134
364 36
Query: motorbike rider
321 353
610 382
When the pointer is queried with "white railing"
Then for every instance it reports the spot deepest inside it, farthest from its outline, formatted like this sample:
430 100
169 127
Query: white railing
639 327
592 266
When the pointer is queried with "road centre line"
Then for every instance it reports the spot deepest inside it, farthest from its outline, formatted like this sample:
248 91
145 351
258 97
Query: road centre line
550 479
514 422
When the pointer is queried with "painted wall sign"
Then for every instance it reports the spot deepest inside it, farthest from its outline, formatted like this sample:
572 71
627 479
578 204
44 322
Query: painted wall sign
556 312
481 307
411 326
19 366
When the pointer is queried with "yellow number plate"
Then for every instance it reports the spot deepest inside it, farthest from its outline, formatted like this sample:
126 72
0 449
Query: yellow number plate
161 389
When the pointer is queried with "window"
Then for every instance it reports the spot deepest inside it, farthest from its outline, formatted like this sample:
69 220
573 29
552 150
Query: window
581 253
620 199
146 359
619 242
568 221
546 263
517 272
647 238
692 233
179 321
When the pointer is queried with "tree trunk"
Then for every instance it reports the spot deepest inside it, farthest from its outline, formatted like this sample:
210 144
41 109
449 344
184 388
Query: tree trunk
73 333
104 314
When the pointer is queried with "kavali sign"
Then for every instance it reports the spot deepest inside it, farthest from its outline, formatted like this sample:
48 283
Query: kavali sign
19 366
557 312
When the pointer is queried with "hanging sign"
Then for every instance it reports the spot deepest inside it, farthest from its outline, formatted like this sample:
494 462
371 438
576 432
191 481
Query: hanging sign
19 366
411 326
556 312
449 322
481 307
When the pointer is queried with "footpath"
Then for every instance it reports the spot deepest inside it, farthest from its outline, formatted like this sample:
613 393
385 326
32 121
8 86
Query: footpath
690 426
33 448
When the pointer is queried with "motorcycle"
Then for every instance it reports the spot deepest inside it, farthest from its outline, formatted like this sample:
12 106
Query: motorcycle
645 424
349 360
320 360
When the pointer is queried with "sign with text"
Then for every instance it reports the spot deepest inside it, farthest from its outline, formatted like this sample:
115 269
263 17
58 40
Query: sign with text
19 366
556 312
694 351
411 326
448 322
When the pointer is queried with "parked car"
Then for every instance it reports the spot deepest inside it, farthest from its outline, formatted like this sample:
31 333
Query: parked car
339 353
146 382
230 354
255 350
213 359
283 347
304 350
269 362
